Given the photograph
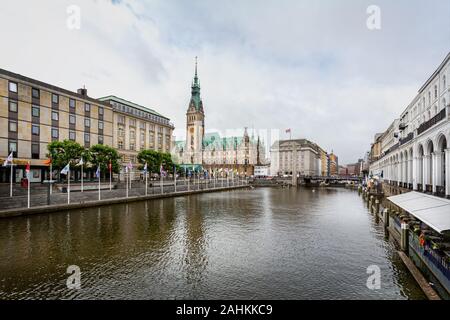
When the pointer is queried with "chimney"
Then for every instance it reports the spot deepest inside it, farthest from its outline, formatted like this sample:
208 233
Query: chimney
82 91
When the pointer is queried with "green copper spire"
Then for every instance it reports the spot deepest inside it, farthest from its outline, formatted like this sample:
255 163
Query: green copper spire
195 92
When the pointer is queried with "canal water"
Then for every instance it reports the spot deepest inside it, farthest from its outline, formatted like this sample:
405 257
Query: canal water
245 244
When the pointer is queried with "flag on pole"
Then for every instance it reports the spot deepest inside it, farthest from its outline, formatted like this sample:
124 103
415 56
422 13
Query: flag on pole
27 169
81 162
288 130
110 166
145 168
8 160
97 173
161 170
66 169
130 165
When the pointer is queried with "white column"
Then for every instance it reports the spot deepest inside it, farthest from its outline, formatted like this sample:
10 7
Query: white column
438 168
411 171
447 172
433 171
415 173
424 172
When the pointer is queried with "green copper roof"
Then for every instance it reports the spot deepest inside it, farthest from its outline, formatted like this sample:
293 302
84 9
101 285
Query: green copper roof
213 139
195 92
131 104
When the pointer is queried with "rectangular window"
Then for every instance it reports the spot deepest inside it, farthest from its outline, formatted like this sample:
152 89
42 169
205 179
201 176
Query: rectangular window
87 137
72 119
35 151
132 122
12 147
87 123
35 111
121 119
120 144
72 135
55 115
55 133
13 126
35 93
72 103
100 110
100 125
142 125
87 107
100 139
35 130
55 98
13 86
13 106
132 146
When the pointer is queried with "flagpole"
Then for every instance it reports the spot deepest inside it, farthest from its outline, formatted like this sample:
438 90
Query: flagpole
162 181
28 178
11 182
146 184
110 179
82 187
126 175
51 178
68 186
99 197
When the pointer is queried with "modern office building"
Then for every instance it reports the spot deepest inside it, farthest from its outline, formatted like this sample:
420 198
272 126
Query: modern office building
34 113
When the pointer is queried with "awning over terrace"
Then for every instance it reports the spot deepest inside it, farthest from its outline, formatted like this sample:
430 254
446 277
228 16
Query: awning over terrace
431 210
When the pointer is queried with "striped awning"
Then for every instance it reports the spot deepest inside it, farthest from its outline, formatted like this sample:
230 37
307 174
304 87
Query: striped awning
431 210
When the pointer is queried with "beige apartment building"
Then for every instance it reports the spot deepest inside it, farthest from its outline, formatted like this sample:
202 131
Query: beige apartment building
137 128
34 113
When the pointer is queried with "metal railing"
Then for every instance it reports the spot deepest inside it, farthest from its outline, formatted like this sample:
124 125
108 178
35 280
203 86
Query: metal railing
430 123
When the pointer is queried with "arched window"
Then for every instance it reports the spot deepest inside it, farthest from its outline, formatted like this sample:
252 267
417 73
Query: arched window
444 83
429 97
435 92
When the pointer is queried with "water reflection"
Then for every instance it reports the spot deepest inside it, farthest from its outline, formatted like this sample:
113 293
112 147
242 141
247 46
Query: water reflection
262 243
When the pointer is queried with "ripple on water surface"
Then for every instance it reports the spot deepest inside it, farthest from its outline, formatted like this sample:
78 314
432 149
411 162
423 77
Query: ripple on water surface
248 244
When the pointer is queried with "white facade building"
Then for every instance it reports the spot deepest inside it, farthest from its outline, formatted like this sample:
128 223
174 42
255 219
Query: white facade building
420 157
307 160
262 171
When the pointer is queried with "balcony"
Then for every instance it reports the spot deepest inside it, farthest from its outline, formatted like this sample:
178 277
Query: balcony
402 126
430 123
407 138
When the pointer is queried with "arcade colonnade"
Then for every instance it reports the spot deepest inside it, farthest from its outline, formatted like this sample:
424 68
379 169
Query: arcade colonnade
421 165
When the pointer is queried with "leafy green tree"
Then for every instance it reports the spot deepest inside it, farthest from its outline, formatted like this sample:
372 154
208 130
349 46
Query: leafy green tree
63 152
100 154
154 160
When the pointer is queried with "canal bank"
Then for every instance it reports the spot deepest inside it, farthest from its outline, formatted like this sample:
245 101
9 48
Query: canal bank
424 244
262 243
85 203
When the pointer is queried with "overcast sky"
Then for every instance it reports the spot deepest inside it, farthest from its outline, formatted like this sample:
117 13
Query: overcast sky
312 66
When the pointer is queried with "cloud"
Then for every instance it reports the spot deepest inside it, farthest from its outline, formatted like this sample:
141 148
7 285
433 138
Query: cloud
312 66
